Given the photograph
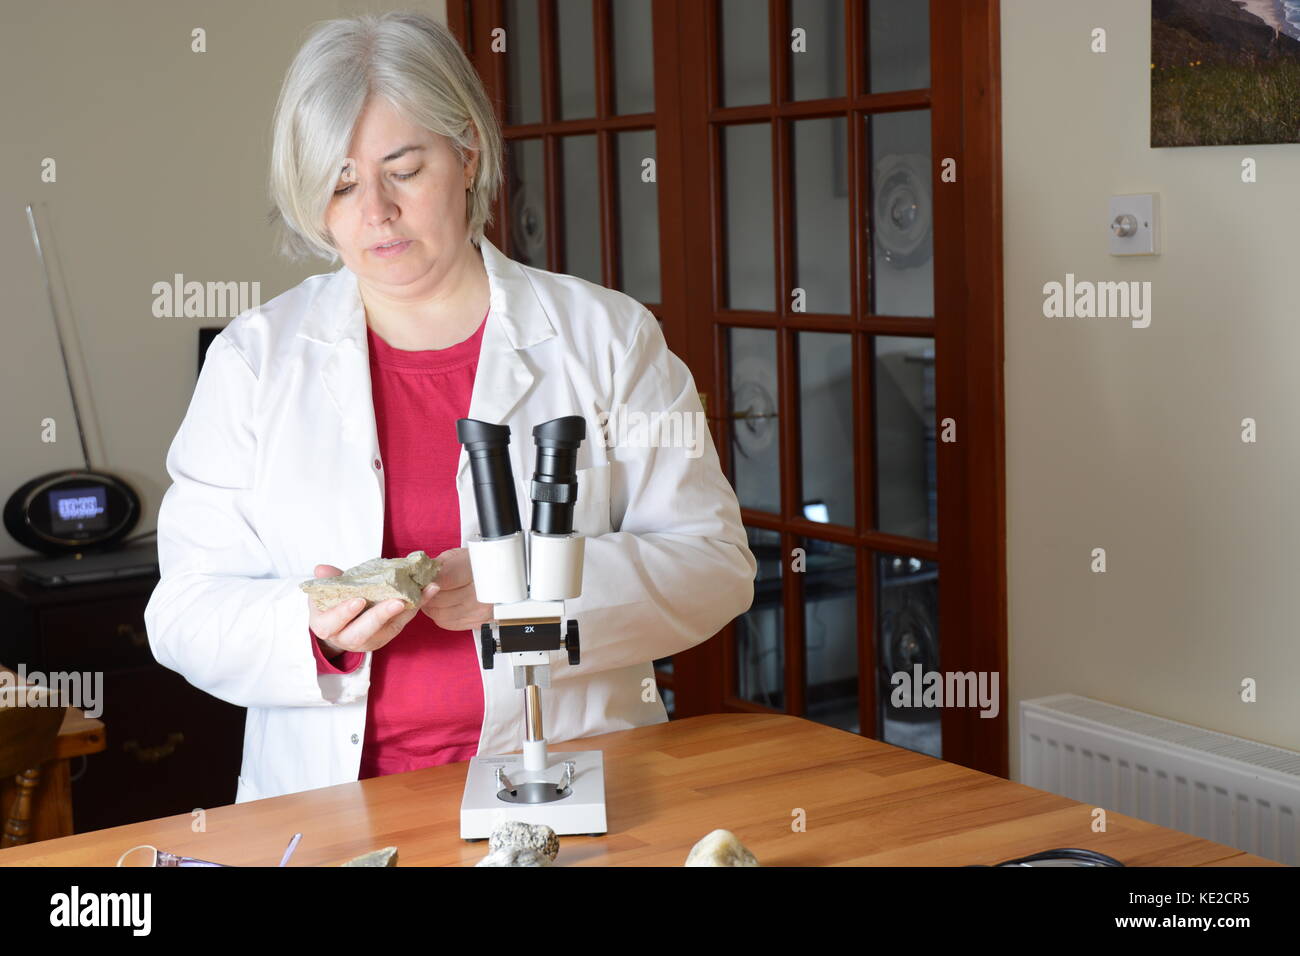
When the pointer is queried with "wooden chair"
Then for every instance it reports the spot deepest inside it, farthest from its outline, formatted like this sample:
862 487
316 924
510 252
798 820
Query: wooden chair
27 735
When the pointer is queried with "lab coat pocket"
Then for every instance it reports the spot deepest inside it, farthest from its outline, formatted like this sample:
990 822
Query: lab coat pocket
591 512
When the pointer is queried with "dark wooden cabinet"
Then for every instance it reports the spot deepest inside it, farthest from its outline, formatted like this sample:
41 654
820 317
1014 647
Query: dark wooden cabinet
171 747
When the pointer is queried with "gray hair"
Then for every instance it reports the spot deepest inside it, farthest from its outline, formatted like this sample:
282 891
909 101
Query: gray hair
406 58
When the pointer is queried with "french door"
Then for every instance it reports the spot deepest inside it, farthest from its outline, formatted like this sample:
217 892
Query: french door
806 193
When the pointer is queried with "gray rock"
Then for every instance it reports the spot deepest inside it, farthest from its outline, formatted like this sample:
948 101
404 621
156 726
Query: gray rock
376 580
385 857
515 856
524 836
720 848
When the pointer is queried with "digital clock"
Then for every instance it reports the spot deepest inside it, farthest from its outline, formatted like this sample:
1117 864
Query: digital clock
66 511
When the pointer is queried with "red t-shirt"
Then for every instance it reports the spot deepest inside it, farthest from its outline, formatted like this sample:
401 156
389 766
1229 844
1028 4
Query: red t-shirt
425 705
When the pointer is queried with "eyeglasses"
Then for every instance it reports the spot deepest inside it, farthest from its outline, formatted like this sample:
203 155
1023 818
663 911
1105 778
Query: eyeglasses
146 855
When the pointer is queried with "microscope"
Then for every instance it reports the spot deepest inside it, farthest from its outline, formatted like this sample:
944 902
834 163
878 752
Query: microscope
527 580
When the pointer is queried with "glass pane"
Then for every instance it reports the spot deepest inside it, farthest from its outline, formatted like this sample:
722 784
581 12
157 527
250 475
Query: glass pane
527 230
902 214
634 68
744 53
817 64
760 632
664 664
826 426
830 593
747 170
523 62
898 45
669 699
581 207
821 213
907 498
638 214
755 449
907 649
576 41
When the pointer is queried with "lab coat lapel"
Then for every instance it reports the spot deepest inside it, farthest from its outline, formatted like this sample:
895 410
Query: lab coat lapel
502 378
345 376
338 320
516 321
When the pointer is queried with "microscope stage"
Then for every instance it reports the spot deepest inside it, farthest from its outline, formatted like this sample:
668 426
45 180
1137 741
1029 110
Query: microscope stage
582 811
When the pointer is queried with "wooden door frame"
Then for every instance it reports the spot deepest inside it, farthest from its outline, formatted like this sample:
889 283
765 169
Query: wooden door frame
968 64
965 99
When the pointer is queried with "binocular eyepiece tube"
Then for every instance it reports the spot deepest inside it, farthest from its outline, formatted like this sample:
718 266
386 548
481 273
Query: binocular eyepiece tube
555 479
494 482
554 488
545 564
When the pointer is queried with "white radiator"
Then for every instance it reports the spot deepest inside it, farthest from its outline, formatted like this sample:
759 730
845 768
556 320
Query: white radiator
1233 791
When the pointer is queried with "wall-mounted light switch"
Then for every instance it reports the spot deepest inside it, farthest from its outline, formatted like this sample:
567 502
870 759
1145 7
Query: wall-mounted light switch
1134 225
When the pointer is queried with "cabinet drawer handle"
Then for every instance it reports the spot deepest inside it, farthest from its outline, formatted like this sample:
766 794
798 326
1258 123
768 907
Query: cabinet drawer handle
154 754
138 638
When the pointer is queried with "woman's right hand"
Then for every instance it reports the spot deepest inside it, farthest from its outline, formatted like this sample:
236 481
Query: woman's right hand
345 628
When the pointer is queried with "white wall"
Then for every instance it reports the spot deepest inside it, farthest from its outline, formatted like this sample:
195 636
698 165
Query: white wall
1129 439
162 158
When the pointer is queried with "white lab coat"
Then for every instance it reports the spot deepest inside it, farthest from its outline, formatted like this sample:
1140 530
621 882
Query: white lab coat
276 468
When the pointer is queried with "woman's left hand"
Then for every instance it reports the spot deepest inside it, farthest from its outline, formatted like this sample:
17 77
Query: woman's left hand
455 606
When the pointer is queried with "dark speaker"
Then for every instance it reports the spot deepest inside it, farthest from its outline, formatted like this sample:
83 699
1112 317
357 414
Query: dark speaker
206 334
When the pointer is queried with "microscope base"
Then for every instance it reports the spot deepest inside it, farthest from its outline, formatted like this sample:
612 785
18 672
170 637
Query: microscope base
582 811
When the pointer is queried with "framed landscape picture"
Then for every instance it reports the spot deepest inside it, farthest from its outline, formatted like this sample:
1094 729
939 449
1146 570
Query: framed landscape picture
1225 72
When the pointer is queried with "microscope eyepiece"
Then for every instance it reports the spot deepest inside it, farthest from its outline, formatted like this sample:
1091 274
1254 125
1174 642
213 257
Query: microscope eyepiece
568 431
471 433
488 447
555 482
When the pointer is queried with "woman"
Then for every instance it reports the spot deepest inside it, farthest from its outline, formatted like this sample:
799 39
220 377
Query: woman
322 433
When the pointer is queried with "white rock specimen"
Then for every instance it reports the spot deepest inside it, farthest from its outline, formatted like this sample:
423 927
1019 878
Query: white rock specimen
385 857
515 856
376 580
521 844
720 848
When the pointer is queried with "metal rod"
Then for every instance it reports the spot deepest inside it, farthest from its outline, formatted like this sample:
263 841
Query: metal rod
58 331
532 713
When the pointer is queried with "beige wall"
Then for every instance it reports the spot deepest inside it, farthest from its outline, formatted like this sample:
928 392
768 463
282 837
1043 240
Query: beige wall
162 159
1129 439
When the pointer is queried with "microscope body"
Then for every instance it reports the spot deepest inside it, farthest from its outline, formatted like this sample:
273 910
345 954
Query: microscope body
527 577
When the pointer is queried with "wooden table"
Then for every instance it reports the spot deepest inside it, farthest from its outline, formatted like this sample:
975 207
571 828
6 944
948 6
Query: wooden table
866 803
79 735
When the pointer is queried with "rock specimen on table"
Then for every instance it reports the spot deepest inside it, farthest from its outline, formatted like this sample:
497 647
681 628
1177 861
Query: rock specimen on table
720 848
515 856
521 844
385 857
376 580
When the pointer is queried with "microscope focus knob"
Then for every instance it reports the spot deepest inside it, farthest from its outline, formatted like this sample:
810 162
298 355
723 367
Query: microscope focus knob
571 643
487 646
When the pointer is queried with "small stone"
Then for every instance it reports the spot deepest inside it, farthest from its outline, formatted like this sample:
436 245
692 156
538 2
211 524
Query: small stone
385 857
376 580
720 848
515 856
530 836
